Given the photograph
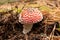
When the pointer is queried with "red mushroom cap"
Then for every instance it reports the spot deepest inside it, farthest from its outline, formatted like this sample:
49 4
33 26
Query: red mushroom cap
30 16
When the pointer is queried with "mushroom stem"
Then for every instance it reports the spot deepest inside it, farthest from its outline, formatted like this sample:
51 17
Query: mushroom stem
27 28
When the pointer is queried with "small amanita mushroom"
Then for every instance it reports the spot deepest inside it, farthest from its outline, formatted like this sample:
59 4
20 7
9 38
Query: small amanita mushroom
28 17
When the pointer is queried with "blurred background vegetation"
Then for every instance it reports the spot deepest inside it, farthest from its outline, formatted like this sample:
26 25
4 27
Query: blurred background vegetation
7 1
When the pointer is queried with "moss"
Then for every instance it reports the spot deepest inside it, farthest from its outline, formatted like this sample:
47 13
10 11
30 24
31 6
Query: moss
45 8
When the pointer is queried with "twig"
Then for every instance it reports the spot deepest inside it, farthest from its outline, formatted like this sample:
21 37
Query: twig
52 33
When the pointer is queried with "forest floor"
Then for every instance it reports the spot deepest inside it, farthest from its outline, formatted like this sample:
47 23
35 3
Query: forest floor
47 29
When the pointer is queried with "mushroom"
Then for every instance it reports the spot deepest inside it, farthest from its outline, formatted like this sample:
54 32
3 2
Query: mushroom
28 17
